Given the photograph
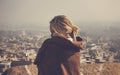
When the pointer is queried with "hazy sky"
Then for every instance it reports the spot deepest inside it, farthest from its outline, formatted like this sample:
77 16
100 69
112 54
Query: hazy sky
42 11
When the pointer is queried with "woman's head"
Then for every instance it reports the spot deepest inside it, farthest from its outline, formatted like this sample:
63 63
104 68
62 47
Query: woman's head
61 24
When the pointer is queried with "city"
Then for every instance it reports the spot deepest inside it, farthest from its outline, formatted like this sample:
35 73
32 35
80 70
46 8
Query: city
19 48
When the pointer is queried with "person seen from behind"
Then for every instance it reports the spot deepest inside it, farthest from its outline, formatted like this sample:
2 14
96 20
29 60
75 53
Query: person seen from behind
60 54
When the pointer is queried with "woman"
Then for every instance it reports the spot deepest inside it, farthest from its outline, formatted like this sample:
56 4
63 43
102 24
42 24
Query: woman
60 54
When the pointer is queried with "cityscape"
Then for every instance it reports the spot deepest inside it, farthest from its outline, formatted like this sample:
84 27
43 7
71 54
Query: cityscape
19 47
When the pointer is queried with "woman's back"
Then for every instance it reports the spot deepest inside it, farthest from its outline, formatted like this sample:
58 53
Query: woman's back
59 57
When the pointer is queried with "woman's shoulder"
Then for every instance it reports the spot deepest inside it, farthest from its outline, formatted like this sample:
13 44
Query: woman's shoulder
56 41
47 40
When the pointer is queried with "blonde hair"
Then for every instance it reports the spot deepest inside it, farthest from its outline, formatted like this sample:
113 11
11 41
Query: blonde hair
61 24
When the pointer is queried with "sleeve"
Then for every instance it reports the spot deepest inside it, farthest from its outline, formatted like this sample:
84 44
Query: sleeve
78 38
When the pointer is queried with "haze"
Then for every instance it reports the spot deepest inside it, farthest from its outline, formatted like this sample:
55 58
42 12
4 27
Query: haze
40 12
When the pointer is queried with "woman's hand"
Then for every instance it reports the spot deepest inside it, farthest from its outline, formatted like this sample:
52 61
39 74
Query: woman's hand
78 43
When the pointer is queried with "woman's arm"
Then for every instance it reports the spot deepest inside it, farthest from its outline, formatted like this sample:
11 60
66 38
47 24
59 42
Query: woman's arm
78 43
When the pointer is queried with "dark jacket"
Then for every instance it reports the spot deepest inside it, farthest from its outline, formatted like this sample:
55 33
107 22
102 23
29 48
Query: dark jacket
58 56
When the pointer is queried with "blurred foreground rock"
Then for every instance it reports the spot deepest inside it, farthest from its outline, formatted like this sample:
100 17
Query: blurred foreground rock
100 69
22 70
86 69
